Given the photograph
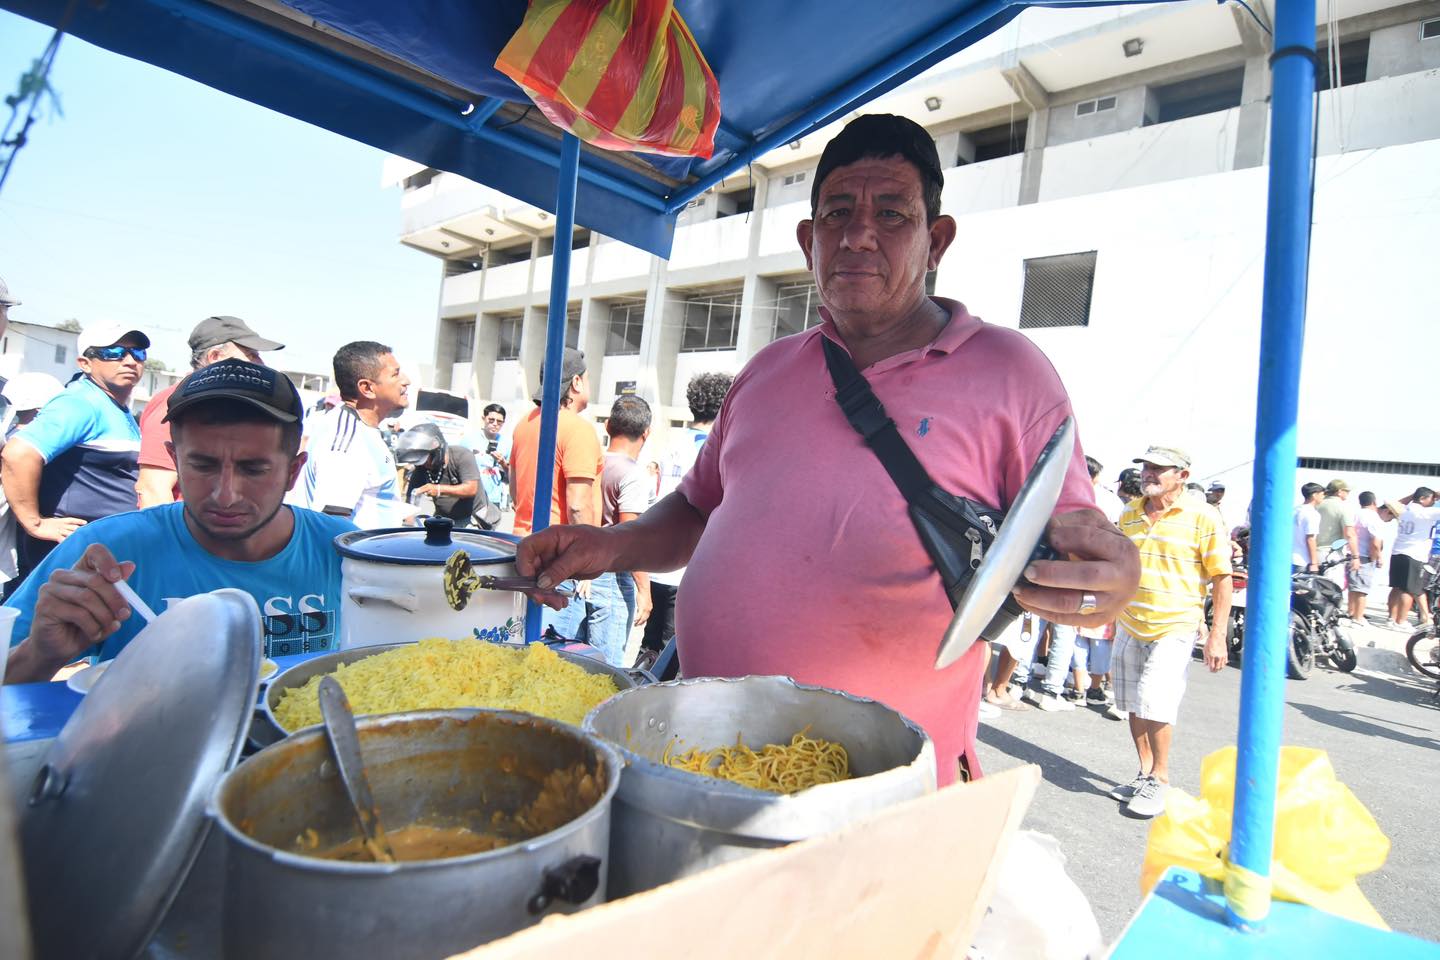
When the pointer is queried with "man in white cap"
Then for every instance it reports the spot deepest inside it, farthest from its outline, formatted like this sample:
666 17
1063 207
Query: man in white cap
77 460
213 339
1183 550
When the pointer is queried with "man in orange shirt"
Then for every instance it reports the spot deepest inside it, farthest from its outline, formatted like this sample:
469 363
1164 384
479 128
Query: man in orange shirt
575 495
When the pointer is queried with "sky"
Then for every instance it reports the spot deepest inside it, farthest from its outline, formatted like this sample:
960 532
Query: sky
157 201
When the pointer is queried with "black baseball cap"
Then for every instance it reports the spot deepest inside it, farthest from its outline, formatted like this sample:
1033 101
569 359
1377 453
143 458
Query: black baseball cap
267 390
572 367
213 331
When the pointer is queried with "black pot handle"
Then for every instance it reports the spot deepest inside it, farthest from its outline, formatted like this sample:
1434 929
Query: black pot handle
573 881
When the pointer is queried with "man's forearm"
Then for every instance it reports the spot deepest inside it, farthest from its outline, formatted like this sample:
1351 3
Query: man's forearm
1352 544
20 475
156 486
1221 591
663 538
580 503
1314 554
27 664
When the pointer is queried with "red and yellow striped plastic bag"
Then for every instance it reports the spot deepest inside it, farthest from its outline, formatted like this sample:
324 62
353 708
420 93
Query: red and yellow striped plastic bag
620 74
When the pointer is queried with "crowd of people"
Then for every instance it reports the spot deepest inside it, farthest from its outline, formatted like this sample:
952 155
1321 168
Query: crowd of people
779 503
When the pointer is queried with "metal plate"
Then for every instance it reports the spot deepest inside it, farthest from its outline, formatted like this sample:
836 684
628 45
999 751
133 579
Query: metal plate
108 844
1014 544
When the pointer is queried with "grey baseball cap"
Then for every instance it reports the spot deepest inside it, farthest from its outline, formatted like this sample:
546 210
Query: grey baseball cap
5 299
213 331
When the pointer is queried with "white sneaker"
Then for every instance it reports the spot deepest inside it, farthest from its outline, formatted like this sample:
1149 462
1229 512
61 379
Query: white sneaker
1053 704
1115 713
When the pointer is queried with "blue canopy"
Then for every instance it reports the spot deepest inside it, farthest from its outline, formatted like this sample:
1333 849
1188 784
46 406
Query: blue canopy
418 79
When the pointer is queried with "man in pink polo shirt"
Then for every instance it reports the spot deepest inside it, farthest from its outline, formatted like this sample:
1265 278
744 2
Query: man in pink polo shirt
802 557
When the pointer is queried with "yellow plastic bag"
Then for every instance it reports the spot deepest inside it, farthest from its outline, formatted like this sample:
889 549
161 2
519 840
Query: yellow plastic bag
620 74
1324 836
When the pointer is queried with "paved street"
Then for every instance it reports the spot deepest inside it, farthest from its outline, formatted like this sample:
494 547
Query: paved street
1379 725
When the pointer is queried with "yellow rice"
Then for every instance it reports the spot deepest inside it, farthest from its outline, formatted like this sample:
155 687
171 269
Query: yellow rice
438 674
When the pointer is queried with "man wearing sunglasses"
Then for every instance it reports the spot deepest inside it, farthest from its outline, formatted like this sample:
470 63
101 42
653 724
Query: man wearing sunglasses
77 460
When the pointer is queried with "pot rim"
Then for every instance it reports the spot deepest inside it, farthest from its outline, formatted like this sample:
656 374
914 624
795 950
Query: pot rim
343 546
272 685
607 751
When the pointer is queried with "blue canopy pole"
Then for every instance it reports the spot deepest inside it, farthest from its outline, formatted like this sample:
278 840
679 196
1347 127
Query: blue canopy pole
1282 327
554 352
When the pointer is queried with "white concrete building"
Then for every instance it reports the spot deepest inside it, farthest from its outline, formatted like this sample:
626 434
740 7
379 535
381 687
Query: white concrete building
1106 168
36 348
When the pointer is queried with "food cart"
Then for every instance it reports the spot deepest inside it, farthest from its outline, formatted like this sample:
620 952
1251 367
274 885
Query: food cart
417 80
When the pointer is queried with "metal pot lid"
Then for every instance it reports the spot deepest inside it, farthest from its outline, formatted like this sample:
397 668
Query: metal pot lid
118 814
431 546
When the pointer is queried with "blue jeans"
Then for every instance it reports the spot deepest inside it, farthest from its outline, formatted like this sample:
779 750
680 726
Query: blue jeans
601 621
1062 651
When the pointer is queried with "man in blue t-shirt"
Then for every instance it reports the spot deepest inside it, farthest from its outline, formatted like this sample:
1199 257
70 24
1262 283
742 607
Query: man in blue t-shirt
235 437
77 460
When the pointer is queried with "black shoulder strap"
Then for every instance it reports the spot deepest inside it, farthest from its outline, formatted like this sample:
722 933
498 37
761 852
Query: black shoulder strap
867 415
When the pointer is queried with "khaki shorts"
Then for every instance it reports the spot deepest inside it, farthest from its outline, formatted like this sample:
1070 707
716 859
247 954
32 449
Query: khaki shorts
1150 674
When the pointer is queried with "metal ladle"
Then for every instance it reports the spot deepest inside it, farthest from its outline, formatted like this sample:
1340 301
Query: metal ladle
345 745
461 582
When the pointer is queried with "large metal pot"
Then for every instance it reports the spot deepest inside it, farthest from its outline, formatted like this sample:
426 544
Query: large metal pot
671 824
448 767
267 729
391 585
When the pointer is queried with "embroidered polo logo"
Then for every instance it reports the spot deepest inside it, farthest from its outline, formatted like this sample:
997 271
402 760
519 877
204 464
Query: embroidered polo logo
924 427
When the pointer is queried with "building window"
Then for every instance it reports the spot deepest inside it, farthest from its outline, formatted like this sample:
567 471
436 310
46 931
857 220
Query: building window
1198 95
712 321
1349 67
1003 141
572 326
627 323
59 353
464 341
793 178
1057 291
1403 468
422 179
456 268
509 348
1430 29
797 308
1100 105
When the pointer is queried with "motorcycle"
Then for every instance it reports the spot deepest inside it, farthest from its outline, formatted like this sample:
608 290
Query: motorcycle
1315 606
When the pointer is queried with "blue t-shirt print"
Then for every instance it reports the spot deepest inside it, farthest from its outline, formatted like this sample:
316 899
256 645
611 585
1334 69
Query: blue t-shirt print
297 590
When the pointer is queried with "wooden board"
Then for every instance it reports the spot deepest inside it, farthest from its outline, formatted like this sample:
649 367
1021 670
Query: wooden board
912 881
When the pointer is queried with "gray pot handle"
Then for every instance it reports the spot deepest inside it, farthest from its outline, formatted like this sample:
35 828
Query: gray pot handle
404 599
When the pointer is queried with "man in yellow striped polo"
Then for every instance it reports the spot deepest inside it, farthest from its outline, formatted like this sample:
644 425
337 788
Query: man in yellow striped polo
1184 550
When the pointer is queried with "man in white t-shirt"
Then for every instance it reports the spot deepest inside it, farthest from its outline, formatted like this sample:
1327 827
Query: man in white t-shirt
351 472
1371 522
1407 563
704 393
1304 552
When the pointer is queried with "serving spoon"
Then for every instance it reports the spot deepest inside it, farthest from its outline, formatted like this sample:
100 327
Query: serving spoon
461 582
345 745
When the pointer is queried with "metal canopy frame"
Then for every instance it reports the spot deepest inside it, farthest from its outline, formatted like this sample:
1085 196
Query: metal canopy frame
184 35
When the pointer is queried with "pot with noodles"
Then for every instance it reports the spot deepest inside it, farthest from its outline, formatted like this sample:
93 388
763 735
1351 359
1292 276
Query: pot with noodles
719 768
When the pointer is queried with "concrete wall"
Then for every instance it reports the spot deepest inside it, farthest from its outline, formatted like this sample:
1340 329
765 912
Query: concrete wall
1171 353
1193 147
1404 109
1066 127
1399 50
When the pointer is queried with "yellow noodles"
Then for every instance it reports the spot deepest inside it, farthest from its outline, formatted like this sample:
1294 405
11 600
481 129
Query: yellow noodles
779 769
440 674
